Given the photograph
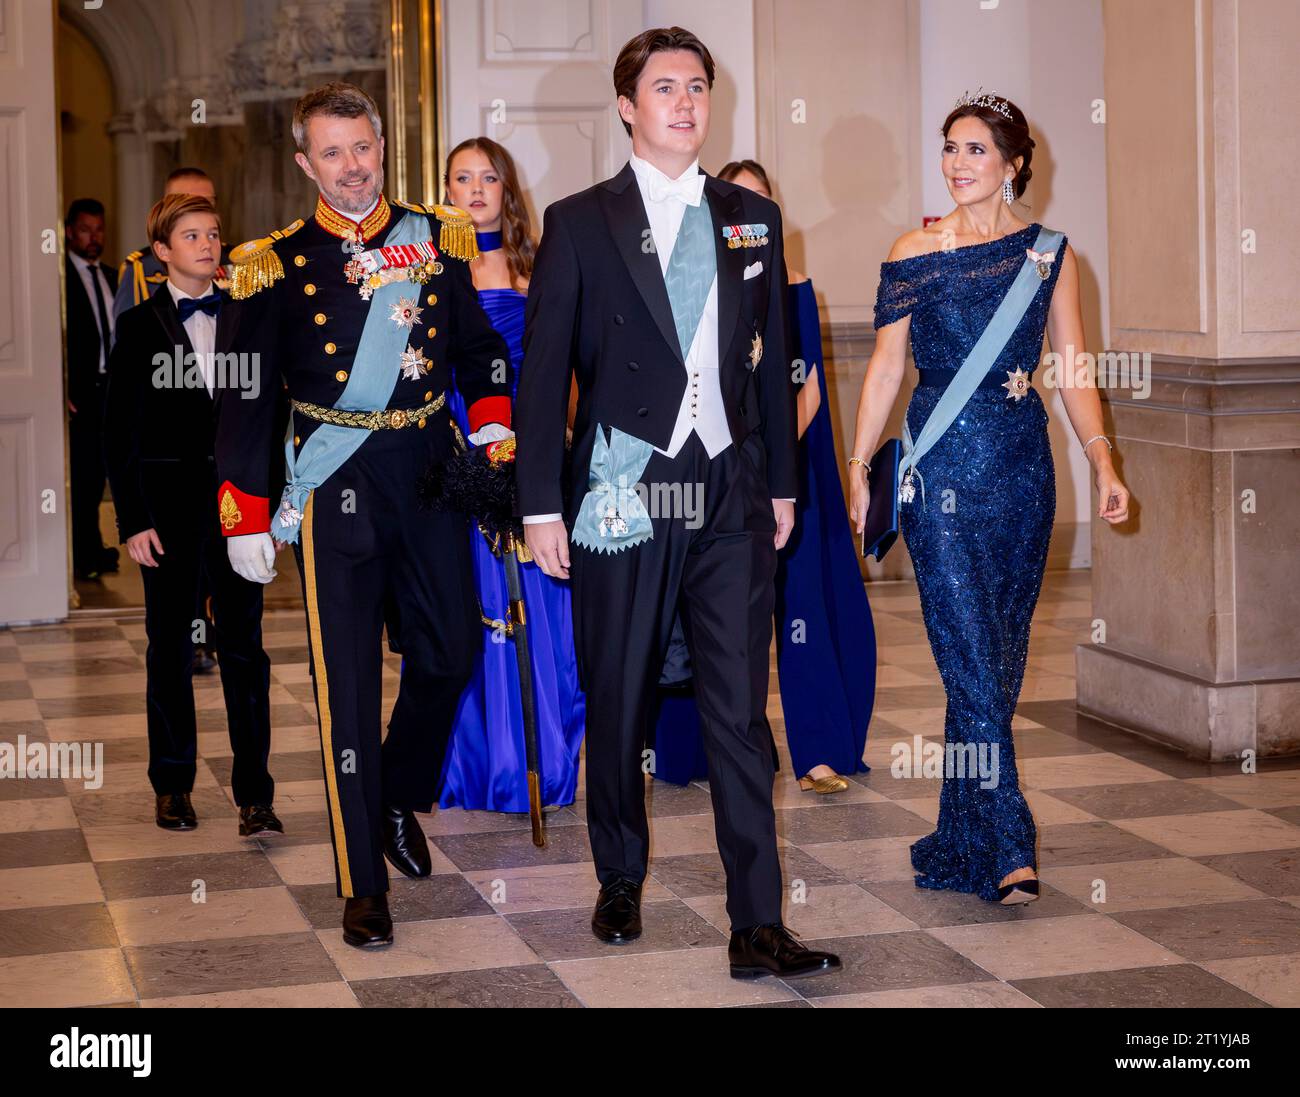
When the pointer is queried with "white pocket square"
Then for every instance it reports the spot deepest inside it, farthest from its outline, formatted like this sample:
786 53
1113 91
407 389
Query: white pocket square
754 269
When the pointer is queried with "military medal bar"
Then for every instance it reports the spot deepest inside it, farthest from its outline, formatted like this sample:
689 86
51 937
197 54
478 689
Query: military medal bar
399 262
745 236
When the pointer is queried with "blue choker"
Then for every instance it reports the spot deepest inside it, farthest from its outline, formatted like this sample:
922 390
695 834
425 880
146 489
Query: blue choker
488 241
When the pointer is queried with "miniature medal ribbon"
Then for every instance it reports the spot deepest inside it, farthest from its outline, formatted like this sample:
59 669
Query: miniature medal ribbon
613 516
744 236
1042 261
394 257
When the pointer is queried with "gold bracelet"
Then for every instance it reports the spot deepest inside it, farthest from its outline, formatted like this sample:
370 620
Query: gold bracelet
859 461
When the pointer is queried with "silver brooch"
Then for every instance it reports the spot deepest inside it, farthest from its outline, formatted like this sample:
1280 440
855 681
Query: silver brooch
414 364
1016 384
406 313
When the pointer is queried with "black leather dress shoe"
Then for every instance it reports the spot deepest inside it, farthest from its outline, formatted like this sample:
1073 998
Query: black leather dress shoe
204 659
173 811
773 950
405 845
617 917
258 819
367 923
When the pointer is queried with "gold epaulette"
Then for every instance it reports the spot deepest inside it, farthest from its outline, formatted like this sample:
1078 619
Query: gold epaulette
255 266
139 286
134 257
456 234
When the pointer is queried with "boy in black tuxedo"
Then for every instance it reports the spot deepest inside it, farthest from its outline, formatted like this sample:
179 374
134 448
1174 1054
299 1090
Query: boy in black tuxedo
173 355
662 290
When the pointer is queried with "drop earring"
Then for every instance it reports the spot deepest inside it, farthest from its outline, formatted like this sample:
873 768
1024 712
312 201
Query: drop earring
1008 195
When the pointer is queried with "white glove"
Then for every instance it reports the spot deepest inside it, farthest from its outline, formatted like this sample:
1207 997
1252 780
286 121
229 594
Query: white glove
252 555
490 432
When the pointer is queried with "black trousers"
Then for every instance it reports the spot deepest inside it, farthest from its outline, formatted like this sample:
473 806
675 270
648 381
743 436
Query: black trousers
368 555
720 576
87 475
193 561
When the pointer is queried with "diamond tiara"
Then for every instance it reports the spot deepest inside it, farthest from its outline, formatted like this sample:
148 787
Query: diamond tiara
984 99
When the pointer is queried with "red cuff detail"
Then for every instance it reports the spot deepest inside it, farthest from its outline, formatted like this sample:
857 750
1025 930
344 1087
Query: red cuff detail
242 513
490 409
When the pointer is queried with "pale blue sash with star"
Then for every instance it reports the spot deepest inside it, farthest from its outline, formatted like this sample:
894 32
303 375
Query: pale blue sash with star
975 368
612 516
371 382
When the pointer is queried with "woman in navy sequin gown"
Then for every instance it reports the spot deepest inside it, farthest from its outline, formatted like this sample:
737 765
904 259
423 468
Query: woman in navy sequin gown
825 639
979 537
486 767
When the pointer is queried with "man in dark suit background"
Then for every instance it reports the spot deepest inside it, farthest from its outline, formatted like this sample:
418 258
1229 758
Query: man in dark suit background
159 430
663 291
90 287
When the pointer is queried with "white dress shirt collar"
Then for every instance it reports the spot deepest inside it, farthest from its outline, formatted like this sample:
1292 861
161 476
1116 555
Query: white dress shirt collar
656 185
357 217
81 263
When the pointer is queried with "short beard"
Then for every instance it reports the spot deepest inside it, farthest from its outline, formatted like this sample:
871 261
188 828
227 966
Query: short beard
346 203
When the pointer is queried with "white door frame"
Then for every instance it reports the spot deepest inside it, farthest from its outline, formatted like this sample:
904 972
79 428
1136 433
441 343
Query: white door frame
34 527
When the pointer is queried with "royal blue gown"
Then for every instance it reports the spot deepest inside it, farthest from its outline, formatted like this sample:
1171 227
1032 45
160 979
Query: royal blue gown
978 542
486 766
825 640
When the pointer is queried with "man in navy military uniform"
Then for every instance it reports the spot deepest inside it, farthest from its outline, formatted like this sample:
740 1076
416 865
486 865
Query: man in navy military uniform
362 313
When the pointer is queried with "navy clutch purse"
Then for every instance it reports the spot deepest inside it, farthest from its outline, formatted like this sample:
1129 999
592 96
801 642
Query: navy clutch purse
880 530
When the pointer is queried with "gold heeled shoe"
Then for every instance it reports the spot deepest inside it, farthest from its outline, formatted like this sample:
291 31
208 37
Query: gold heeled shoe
823 785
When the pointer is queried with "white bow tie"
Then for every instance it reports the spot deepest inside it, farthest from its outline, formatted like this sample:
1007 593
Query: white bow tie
688 189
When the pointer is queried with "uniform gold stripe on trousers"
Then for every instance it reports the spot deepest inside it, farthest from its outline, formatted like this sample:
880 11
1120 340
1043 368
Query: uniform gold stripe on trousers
323 700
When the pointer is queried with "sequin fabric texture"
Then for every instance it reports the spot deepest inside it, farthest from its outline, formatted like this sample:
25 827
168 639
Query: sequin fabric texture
979 546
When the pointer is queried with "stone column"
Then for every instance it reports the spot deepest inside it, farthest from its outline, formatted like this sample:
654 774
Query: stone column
1196 599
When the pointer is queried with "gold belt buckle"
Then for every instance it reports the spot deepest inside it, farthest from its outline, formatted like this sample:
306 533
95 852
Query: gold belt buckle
397 419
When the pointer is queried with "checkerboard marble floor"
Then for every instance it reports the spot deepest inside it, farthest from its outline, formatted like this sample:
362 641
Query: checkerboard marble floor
1199 864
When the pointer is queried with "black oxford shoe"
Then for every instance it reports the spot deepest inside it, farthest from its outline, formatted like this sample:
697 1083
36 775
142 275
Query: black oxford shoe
773 950
257 820
173 811
617 917
405 844
367 923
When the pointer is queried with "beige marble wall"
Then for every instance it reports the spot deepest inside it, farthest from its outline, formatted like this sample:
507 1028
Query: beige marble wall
1197 592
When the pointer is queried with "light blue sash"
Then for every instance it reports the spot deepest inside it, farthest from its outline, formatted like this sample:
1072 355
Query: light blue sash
371 382
612 516
691 269
978 362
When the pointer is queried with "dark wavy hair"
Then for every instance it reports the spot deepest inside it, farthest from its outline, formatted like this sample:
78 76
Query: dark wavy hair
1011 135
633 56
734 167
516 226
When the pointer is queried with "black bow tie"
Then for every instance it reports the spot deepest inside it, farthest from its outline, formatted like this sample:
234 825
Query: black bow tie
188 306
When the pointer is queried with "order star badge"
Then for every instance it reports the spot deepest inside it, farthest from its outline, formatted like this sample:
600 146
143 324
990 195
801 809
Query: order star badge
406 313
414 364
1016 384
